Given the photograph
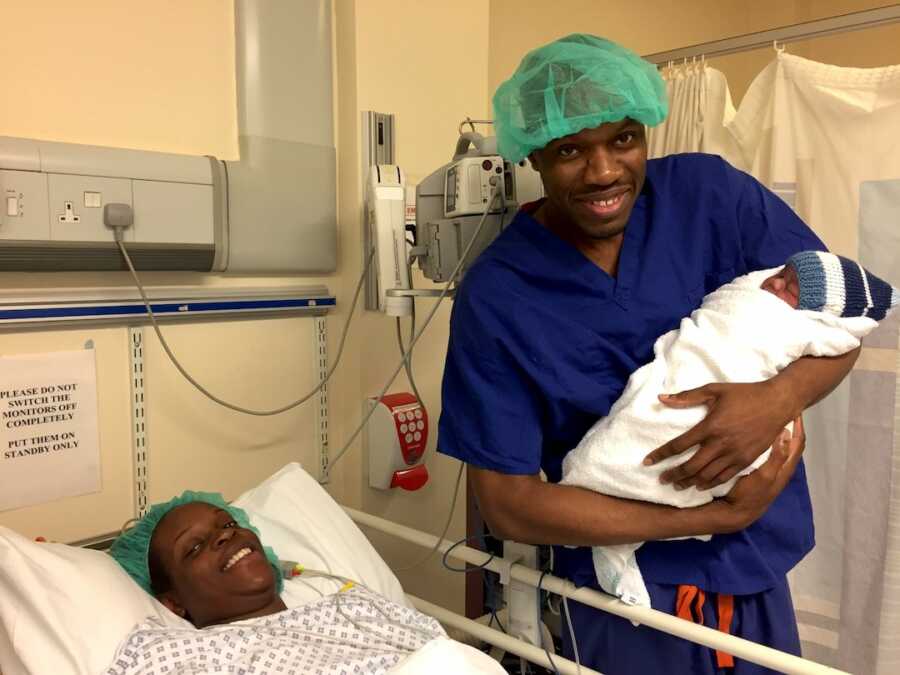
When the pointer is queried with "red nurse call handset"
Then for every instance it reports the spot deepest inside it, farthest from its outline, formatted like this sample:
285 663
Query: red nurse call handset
395 439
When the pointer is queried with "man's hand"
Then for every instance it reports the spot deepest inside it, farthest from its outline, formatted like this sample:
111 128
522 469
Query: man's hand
743 421
524 508
752 494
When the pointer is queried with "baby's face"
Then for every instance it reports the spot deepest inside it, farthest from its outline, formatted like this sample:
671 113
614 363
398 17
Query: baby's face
784 285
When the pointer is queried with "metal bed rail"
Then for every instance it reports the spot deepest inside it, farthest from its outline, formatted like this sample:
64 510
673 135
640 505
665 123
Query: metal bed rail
499 639
738 647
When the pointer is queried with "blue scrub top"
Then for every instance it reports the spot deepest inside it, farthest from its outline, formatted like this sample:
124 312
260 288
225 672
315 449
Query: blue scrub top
542 342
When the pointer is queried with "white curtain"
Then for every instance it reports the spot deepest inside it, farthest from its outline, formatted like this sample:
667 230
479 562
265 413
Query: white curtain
827 140
700 107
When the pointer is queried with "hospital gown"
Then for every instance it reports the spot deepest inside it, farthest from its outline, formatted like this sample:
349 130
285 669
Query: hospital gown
740 334
356 631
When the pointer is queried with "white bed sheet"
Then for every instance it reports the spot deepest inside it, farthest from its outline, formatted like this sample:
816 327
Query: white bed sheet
356 631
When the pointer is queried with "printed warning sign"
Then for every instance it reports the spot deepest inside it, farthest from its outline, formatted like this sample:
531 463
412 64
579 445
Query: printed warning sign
49 445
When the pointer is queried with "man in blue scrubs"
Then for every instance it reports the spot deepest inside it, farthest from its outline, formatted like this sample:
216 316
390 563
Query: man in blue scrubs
566 303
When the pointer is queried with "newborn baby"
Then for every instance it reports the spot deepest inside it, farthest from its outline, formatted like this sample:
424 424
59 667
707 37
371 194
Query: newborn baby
818 304
825 282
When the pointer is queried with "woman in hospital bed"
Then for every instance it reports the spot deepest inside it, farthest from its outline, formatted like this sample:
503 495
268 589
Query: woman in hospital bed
818 304
69 610
203 560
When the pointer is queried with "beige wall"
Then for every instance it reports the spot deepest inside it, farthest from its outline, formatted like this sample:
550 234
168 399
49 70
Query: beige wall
404 58
193 444
648 26
156 76
107 72
189 65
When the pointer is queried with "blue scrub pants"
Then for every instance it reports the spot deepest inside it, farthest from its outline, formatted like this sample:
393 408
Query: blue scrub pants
613 646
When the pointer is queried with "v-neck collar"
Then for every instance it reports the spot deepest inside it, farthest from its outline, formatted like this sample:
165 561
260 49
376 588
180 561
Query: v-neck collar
573 265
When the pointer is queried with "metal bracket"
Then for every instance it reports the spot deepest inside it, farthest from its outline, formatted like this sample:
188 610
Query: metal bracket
320 365
140 452
377 147
523 601
419 292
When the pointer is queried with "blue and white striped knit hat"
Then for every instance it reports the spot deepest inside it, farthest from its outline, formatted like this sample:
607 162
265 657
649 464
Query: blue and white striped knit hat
832 283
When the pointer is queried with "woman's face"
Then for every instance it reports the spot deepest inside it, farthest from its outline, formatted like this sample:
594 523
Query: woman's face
217 571
784 285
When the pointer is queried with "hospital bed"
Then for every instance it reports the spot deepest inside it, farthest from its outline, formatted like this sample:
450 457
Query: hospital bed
65 609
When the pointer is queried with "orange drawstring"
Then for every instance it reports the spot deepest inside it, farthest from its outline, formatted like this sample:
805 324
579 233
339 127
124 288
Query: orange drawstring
691 595
687 595
726 612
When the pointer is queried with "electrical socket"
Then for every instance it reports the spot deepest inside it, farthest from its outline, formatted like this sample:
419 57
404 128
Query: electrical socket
70 220
68 215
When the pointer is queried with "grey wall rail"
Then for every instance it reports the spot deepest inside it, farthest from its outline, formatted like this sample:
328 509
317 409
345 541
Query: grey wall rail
800 31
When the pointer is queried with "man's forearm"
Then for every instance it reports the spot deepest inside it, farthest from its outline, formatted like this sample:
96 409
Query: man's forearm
808 380
528 510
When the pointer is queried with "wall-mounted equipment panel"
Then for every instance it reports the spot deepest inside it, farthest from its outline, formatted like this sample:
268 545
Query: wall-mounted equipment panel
53 199
272 211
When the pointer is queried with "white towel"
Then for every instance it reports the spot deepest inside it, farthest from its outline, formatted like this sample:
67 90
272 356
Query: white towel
739 334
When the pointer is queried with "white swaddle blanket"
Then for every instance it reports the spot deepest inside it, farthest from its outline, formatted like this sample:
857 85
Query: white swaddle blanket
740 333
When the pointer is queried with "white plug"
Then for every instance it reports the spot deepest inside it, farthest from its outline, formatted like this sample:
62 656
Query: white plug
118 217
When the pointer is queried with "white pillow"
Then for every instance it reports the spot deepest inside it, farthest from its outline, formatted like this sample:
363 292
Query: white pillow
65 609
301 521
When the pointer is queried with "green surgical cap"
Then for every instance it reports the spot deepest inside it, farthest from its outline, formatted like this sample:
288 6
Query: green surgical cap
131 548
574 83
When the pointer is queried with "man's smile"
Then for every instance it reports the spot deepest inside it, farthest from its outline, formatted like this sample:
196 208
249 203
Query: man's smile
605 205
